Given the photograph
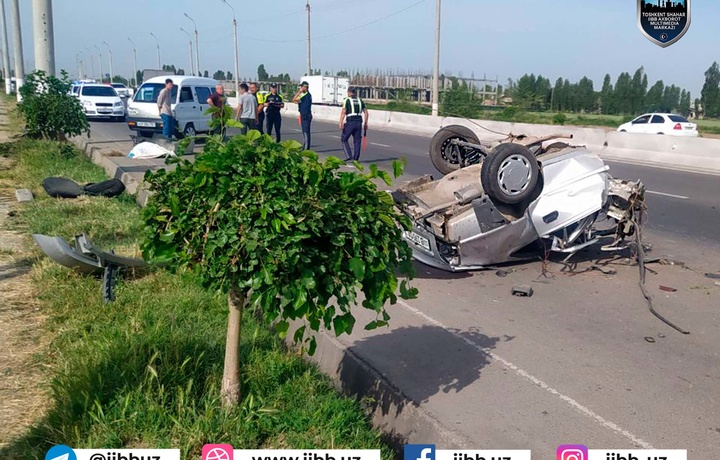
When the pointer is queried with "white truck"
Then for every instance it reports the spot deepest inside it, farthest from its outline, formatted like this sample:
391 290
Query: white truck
327 90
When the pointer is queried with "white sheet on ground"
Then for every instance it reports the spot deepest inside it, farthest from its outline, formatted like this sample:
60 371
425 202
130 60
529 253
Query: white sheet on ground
147 150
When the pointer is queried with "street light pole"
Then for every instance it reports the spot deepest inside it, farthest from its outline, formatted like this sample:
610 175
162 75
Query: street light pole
192 62
112 72
159 67
135 77
436 69
19 60
79 66
92 62
102 75
237 65
197 46
44 36
5 49
309 63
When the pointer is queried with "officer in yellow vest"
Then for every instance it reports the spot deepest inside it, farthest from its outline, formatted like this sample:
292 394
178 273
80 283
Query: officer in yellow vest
261 106
351 124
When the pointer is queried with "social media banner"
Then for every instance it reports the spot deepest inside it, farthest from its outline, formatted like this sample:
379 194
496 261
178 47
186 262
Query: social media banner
61 452
298 454
428 452
581 452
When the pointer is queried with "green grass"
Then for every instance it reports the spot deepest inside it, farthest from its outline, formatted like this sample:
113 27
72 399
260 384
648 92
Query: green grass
146 370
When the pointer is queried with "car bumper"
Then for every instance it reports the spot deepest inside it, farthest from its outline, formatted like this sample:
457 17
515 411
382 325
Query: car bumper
684 133
154 125
105 112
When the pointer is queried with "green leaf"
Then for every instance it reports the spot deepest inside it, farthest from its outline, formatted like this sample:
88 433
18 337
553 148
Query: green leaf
292 145
234 124
399 167
282 328
299 334
371 326
313 346
358 268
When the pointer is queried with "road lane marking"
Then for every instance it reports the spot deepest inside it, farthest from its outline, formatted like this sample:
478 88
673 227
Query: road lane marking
536 381
380 145
334 136
668 195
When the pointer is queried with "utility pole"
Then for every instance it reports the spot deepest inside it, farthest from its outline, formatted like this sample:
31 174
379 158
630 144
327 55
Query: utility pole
237 65
5 50
309 61
79 65
44 36
92 62
19 60
112 73
102 75
197 46
436 69
192 61
135 77
159 67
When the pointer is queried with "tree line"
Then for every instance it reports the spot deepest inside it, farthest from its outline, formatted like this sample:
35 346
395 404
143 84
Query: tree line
629 95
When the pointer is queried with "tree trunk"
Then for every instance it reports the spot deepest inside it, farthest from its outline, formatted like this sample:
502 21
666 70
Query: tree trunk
231 375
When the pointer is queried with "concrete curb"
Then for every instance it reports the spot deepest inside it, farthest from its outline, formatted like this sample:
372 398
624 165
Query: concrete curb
401 419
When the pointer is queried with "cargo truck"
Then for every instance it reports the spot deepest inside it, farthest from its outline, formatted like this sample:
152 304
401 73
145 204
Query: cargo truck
327 90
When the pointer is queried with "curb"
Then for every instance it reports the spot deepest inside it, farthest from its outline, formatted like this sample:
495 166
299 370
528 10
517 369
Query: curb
400 419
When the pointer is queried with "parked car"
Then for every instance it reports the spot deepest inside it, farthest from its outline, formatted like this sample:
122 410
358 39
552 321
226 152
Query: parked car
189 96
122 90
661 123
101 101
518 204
75 90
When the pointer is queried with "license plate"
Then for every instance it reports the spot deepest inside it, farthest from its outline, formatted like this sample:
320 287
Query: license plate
145 124
418 240
104 111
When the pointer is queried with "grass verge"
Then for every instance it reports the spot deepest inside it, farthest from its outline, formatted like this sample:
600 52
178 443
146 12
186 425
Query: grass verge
146 370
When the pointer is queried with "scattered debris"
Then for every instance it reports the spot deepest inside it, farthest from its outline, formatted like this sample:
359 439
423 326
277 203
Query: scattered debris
503 273
668 289
522 290
60 187
713 276
661 335
650 339
23 195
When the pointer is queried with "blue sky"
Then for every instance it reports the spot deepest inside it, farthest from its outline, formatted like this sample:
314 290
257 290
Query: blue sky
501 38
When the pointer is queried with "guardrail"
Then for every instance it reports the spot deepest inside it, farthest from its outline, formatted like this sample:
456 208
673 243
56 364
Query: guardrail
683 153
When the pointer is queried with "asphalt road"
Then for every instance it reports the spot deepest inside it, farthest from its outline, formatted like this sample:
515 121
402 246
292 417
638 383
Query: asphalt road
681 204
582 360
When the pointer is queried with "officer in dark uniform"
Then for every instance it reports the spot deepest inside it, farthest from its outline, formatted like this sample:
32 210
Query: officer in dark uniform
351 124
303 99
273 104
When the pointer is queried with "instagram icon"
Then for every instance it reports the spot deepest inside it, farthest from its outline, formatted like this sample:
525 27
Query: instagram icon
572 452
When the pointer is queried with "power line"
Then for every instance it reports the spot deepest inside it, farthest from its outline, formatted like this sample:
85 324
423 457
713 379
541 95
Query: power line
340 32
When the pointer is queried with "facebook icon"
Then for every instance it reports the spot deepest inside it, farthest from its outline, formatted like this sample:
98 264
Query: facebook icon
419 452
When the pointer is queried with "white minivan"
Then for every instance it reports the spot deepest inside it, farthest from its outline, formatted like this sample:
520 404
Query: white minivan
189 96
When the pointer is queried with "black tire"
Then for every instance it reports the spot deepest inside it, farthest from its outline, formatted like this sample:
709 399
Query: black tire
59 187
145 134
189 130
623 131
109 188
444 155
510 174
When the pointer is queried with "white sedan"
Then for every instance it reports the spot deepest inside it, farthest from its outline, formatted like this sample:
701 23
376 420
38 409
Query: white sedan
101 101
661 123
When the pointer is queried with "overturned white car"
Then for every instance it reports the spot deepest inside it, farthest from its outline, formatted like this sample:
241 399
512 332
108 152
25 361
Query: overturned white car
519 201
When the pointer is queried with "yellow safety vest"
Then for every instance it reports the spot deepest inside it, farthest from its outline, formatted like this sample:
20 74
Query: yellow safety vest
261 97
360 106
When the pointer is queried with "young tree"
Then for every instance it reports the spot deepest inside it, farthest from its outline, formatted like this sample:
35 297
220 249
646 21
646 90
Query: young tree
219 75
277 229
262 73
637 91
206 74
606 96
623 94
654 98
710 94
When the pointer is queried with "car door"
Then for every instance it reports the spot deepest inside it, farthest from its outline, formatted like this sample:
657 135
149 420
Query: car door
640 124
186 108
657 125
203 94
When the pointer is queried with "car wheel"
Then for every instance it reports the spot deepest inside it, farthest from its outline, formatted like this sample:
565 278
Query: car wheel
623 131
189 130
444 155
662 134
146 134
510 173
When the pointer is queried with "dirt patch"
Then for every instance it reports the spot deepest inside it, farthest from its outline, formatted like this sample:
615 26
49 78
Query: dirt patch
21 331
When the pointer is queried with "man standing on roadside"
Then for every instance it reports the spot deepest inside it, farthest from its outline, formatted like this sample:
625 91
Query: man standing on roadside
217 99
260 99
247 109
351 124
303 99
274 103
164 103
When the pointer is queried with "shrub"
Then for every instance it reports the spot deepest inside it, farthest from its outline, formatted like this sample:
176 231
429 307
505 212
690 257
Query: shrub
559 119
274 226
49 110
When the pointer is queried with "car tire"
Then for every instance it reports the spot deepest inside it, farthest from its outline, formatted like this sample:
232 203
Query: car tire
189 130
444 155
510 174
623 131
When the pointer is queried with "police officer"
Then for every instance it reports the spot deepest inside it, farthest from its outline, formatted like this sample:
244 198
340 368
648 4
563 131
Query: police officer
260 97
351 124
303 99
273 103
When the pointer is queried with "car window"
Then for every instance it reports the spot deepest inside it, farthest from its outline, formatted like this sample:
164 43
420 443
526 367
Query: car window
118 85
678 119
202 94
149 92
643 119
99 91
186 94
657 119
